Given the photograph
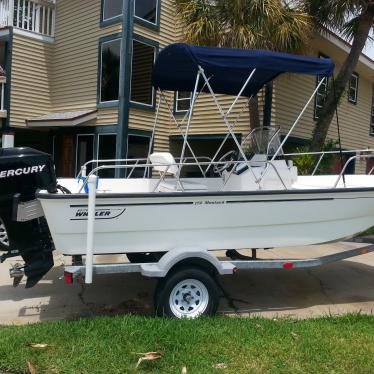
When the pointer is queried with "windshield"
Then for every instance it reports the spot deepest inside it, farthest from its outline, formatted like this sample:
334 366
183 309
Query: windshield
263 140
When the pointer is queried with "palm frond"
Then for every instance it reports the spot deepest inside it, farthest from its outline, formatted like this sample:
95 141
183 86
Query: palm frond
261 24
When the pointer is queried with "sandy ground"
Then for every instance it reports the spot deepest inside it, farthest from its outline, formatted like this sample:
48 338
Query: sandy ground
338 288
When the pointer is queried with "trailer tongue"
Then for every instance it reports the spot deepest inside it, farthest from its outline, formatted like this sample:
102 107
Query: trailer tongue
23 229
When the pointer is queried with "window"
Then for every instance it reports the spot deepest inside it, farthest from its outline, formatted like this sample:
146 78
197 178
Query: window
84 151
353 88
106 150
372 113
321 93
112 9
138 146
141 80
110 66
182 101
145 10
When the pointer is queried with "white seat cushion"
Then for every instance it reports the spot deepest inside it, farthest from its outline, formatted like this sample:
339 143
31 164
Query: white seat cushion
164 161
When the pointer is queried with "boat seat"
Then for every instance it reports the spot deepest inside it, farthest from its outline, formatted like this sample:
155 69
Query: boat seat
165 164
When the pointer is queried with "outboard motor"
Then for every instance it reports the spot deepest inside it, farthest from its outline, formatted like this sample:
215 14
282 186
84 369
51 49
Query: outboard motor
23 229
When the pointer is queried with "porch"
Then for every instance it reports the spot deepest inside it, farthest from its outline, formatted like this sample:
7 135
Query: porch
36 16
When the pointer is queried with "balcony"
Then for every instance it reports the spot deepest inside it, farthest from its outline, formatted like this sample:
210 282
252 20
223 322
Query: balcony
35 16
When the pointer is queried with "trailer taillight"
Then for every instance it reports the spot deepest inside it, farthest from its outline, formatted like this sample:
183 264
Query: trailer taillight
288 265
68 277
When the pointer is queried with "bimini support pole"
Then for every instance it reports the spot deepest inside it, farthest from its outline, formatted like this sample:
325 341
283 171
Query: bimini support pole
189 119
228 134
181 132
153 133
240 92
224 117
92 180
297 119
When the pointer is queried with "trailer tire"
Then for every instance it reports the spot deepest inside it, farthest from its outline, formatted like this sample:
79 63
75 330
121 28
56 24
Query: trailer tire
187 292
4 239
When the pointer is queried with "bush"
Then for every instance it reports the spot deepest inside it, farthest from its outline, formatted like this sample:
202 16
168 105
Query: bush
307 163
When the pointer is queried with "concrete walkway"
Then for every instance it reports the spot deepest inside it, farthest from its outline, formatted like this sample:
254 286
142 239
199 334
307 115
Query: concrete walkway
346 286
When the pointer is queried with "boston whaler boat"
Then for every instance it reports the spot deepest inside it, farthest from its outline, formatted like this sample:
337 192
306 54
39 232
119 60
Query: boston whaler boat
165 221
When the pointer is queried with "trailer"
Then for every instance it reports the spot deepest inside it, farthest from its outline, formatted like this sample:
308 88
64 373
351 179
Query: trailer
187 277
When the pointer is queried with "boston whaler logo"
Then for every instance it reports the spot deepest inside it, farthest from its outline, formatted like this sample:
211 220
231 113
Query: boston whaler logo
22 171
100 213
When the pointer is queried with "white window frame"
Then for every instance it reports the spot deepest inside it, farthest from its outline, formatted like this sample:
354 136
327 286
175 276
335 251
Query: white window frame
154 60
322 91
76 149
101 71
110 18
145 20
354 77
178 99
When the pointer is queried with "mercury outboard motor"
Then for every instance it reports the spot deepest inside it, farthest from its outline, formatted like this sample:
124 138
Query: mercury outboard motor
23 229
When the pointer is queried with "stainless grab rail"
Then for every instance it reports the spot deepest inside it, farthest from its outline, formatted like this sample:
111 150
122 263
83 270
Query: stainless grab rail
107 167
357 157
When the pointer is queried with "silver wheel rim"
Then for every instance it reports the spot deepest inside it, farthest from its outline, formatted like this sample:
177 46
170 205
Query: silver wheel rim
4 240
189 298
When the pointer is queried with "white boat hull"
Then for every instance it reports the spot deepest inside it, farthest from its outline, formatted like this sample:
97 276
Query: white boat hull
152 222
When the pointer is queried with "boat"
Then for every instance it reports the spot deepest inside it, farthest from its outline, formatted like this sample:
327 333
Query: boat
250 197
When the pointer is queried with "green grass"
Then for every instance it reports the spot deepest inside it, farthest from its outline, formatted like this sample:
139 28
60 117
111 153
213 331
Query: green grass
245 345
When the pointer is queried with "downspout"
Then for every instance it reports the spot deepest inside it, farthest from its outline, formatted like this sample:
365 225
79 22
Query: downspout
124 83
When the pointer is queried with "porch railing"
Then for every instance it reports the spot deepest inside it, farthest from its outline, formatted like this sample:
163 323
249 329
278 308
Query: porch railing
31 15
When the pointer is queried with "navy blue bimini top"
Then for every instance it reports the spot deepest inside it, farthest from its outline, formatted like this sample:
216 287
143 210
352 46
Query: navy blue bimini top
177 65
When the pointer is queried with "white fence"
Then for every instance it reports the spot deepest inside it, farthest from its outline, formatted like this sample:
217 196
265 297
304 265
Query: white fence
32 15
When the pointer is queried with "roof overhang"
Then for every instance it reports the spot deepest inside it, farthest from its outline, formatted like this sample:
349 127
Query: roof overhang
62 119
346 47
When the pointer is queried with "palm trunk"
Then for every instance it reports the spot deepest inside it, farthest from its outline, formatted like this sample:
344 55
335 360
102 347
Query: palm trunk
332 99
254 116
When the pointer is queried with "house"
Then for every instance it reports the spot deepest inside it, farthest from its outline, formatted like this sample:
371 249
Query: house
60 85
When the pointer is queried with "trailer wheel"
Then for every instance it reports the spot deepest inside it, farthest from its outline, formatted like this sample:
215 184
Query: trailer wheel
4 239
188 292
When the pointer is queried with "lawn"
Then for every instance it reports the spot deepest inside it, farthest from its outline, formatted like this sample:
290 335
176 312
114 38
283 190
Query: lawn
211 345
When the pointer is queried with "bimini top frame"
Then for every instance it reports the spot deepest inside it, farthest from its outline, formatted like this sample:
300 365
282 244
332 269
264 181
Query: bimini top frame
238 72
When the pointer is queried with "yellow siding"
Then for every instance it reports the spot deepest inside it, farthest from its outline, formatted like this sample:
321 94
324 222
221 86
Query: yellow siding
291 92
31 77
63 77
75 70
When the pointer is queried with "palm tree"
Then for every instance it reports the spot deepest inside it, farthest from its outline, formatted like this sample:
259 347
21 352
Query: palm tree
354 19
259 24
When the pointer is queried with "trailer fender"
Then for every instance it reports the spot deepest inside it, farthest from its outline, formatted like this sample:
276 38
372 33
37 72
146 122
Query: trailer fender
177 255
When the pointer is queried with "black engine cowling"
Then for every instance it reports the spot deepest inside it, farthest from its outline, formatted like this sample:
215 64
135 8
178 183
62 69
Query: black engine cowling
22 172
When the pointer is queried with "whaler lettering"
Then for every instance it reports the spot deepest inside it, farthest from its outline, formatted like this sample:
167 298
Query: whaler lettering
100 213
22 171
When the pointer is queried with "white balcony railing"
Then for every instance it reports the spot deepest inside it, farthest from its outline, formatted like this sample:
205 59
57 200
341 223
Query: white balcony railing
31 15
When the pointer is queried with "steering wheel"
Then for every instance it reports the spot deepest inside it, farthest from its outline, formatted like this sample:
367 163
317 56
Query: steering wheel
226 160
